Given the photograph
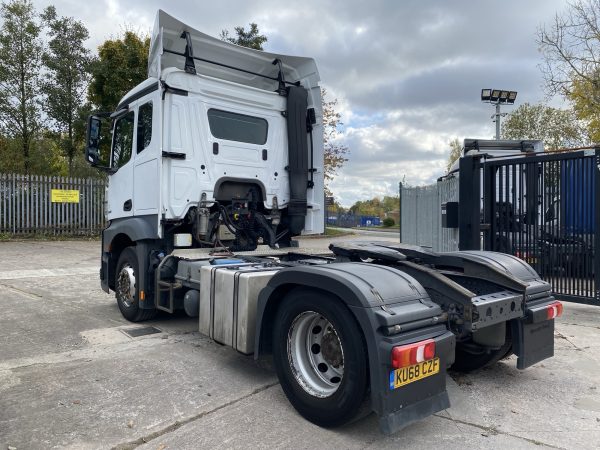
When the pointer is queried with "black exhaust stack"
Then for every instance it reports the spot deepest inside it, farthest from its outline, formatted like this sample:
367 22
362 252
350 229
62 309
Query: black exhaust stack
297 105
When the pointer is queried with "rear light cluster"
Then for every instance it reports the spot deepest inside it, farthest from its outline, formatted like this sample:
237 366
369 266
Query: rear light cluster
554 310
407 355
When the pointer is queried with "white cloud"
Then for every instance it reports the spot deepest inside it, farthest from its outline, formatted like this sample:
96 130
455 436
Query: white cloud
407 75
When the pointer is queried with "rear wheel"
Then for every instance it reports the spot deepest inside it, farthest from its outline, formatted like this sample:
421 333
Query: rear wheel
127 288
320 357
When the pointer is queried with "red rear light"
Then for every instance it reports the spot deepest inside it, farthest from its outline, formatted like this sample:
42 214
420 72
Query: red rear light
407 355
554 310
429 352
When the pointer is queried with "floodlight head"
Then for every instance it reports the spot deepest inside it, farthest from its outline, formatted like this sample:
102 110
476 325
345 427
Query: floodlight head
498 96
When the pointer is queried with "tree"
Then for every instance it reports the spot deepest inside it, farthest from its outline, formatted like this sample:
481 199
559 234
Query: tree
586 110
376 207
335 152
251 38
455 153
558 128
20 75
391 203
68 62
121 65
570 48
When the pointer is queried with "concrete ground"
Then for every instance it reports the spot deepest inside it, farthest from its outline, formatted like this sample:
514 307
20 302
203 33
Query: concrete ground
71 378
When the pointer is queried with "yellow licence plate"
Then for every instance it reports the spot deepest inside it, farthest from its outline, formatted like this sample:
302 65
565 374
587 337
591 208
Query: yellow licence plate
406 375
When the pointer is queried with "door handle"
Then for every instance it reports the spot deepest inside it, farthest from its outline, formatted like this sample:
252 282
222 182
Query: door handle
127 205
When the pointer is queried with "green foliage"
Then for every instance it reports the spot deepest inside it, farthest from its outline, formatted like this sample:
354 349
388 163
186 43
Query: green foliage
67 62
455 153
558 128
20 77
121 65
376 206
250 39
586 109
335 232
45 158
388 222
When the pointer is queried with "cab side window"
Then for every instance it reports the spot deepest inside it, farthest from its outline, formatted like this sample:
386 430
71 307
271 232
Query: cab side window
144 126
122 140
238 127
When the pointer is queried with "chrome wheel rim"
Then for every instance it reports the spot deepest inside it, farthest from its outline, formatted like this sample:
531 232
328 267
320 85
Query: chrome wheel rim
315 354
126 285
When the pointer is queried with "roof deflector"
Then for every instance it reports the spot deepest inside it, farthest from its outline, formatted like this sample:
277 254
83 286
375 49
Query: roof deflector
175 44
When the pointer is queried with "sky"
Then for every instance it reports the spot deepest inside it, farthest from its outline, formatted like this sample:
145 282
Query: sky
407 74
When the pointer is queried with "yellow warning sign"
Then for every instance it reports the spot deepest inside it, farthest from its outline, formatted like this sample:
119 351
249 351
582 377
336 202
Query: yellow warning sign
65 196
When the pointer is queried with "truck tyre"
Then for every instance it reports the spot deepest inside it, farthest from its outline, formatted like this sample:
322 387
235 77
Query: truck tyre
320 357
127 289
468 360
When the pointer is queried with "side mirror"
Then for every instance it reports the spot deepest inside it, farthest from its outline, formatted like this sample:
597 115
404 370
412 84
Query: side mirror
97 146
92 148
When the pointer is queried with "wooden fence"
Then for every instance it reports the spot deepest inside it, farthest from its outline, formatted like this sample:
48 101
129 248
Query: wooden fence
35 204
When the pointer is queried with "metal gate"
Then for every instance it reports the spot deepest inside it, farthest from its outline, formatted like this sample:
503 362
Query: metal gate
542 208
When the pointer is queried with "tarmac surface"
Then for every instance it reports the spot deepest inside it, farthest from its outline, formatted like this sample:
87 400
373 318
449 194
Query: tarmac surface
70 377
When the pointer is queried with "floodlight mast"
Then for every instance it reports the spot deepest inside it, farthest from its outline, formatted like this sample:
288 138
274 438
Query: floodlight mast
498 97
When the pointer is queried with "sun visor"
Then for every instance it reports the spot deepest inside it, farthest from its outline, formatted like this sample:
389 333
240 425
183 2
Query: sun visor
252 66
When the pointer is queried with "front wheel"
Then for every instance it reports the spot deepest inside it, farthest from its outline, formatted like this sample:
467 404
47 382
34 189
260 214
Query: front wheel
320 357
127 290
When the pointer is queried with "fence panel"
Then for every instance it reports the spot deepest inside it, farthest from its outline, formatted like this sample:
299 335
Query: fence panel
27 206
421 216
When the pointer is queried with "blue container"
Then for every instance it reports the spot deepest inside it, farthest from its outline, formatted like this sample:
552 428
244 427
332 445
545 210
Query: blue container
578 196
369 221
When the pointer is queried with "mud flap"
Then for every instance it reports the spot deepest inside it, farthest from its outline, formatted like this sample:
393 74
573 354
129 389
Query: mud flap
532 341
104 274
397 420
415 401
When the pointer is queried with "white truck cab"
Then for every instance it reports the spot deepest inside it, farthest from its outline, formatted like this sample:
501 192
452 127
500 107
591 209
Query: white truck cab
221 145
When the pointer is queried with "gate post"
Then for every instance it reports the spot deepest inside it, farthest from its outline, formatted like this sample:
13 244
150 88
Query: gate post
400 210
469 203
596 254
489 207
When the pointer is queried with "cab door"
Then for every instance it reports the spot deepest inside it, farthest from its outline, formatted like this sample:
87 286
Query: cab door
120 191
146 159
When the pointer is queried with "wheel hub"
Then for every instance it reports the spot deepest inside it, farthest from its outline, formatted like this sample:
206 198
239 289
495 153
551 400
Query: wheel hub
315 354
126 285
331 348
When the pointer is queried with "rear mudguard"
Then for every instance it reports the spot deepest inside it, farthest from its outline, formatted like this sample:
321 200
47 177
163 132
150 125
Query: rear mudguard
391 308
520 296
